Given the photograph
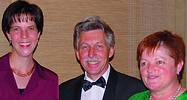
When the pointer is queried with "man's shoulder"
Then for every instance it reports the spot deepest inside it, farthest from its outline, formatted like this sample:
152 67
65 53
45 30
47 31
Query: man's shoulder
124 77
70 88
129 78
72 82
124 81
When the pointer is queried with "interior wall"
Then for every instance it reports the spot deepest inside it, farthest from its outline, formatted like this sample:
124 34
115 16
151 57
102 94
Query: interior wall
185 33
131 21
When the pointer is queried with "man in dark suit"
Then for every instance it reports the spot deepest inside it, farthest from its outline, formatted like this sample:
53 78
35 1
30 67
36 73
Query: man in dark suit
94 46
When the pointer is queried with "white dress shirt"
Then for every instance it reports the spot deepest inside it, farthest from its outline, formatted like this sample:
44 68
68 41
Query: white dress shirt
96 92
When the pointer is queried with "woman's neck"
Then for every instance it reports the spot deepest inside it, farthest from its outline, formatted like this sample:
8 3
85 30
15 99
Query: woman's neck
169 93
22 64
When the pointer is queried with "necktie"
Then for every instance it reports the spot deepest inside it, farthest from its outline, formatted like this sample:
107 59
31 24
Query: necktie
87 84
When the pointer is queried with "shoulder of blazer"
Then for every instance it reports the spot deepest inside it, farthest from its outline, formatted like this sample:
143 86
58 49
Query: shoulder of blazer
123 80
72 82
71 89
122 77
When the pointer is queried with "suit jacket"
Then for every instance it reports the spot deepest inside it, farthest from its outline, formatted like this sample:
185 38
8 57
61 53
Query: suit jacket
119 87
43 84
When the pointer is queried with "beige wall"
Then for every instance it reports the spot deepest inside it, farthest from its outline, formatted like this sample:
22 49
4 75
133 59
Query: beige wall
185 28
131 20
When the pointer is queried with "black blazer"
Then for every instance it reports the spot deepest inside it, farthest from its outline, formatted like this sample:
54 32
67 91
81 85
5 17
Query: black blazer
119 87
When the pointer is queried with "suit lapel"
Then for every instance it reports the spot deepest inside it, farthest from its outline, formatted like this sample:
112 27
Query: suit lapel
78 88
111 86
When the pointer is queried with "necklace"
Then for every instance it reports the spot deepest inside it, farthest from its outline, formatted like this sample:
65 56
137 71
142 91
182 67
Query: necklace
174 96
23 74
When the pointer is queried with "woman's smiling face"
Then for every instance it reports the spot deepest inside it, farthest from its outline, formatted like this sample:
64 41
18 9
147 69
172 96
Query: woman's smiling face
158 69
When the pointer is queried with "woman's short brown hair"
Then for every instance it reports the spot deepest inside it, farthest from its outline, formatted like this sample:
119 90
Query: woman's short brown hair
172 42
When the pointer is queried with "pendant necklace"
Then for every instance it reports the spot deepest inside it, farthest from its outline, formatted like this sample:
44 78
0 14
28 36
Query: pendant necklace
174 96
23 74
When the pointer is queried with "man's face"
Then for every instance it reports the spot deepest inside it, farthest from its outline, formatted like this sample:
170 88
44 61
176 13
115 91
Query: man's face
94 52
